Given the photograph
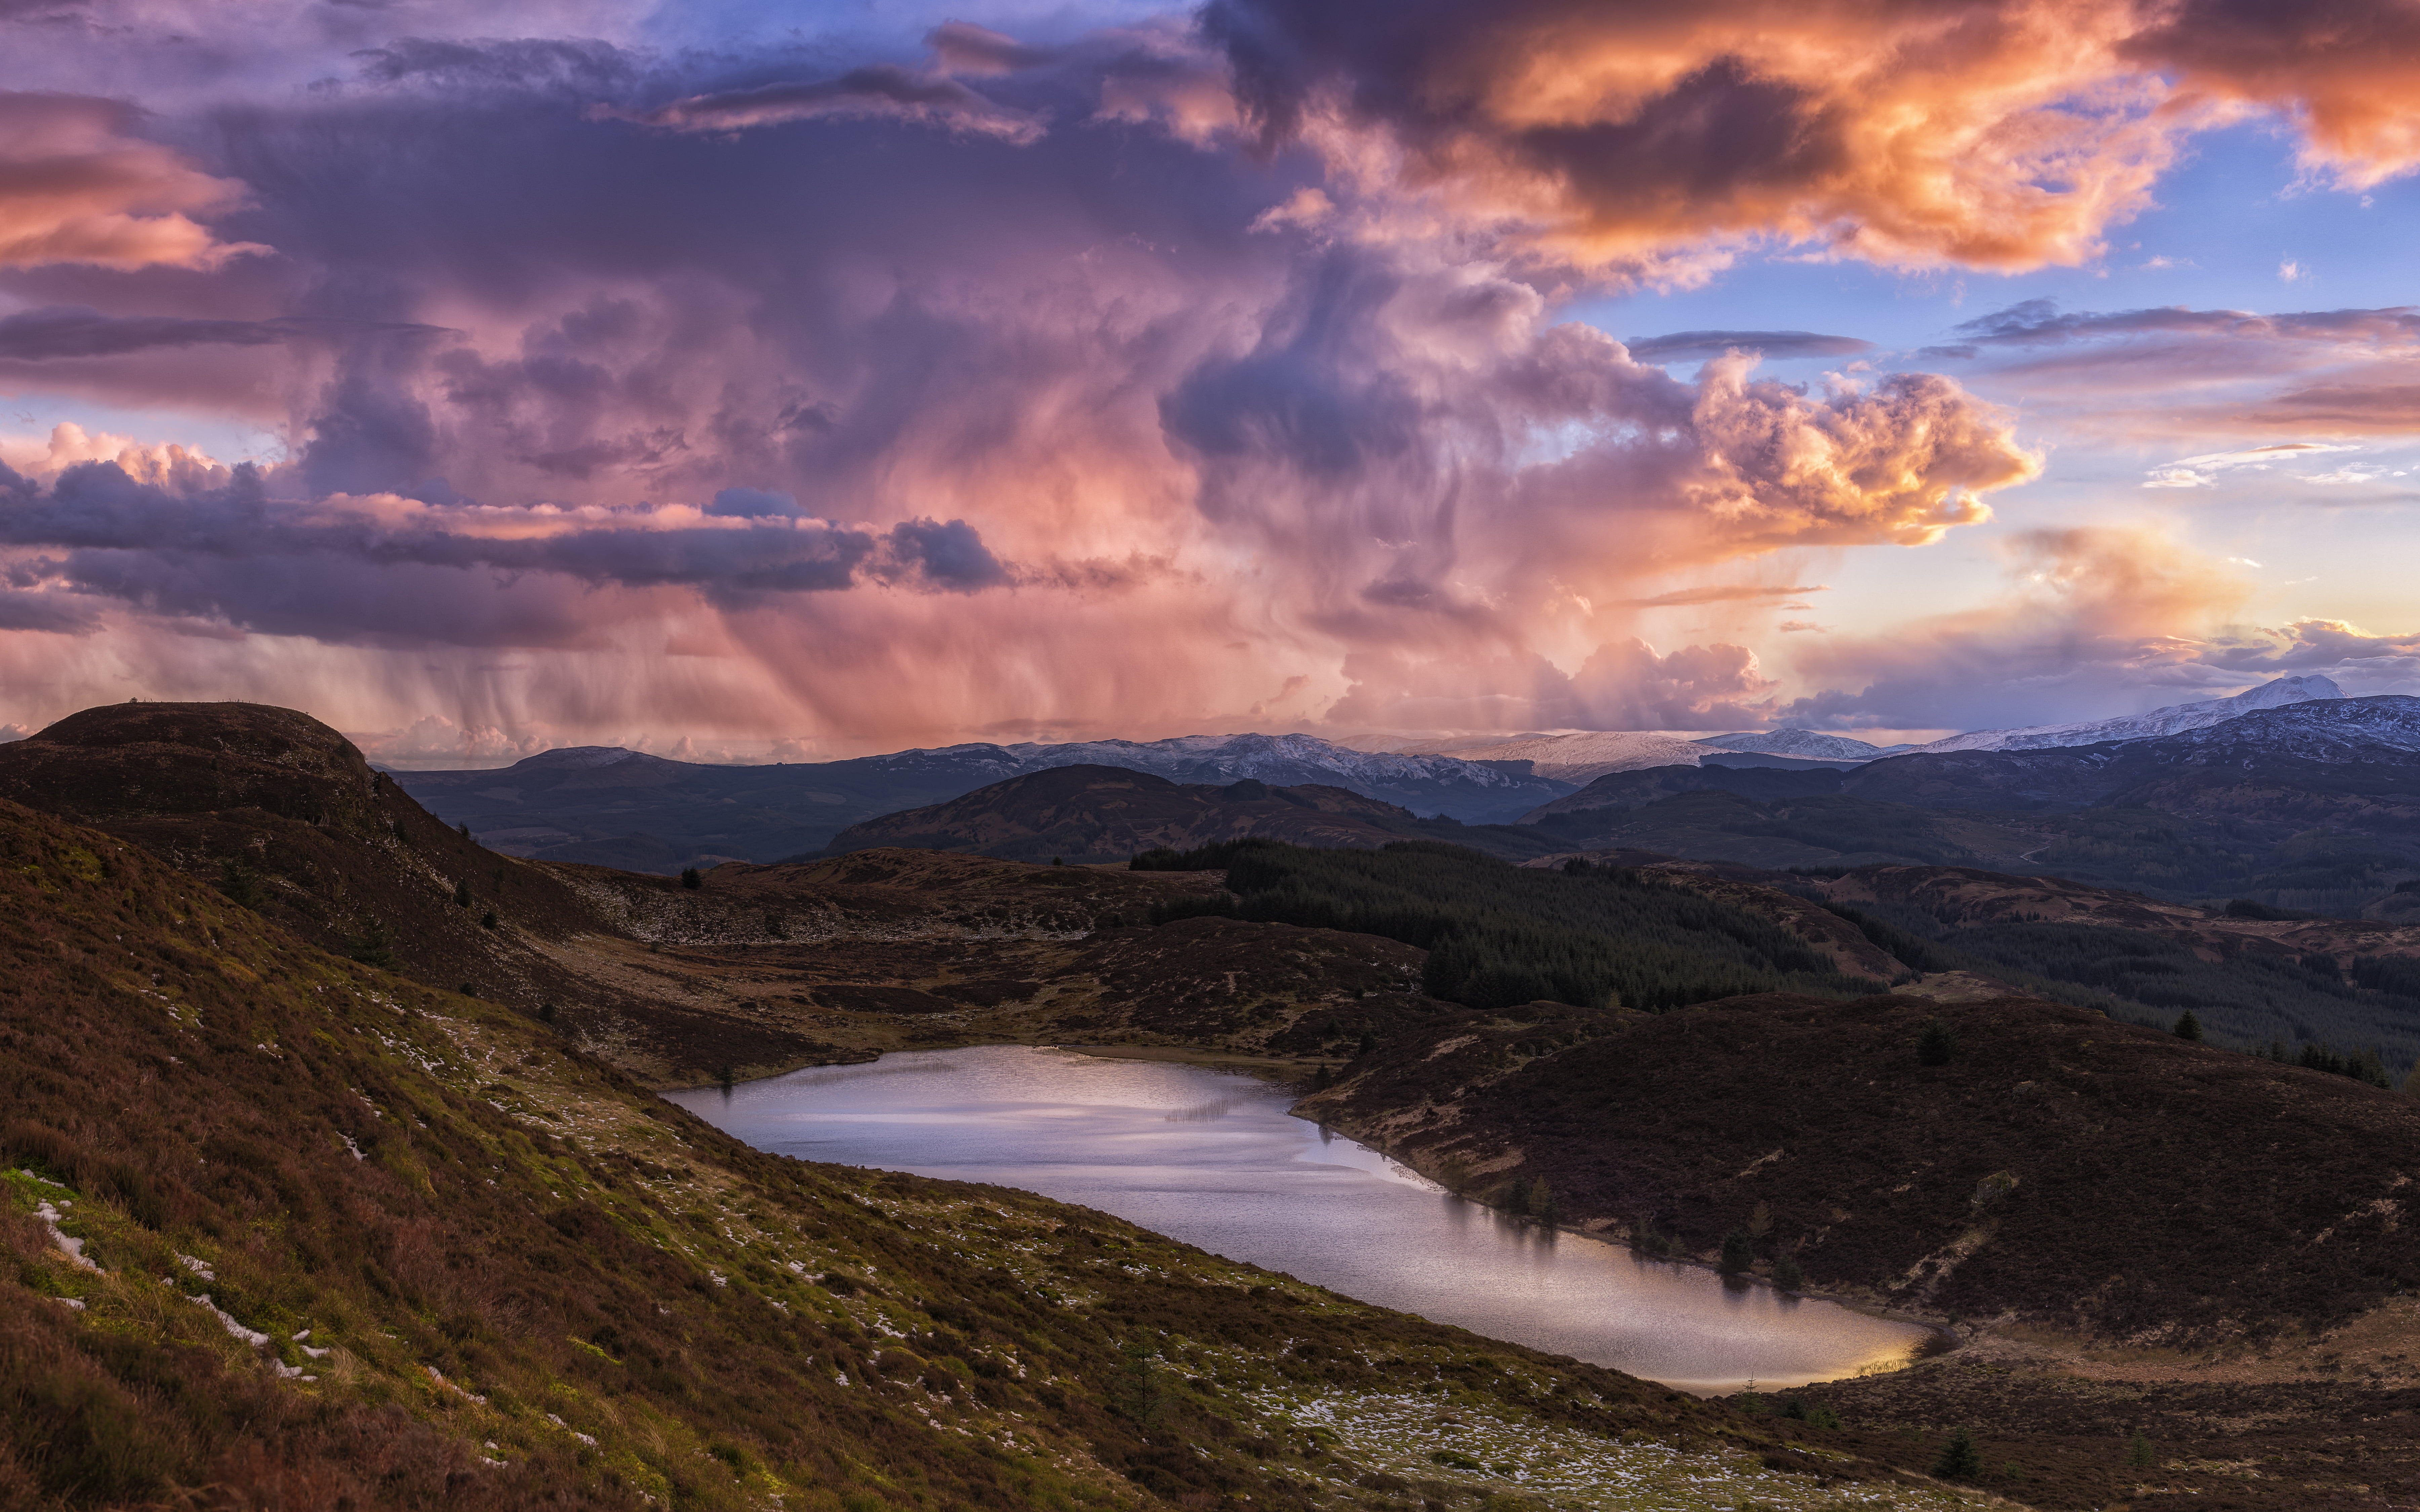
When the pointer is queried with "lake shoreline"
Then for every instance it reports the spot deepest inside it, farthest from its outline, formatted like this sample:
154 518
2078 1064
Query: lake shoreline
1205 1147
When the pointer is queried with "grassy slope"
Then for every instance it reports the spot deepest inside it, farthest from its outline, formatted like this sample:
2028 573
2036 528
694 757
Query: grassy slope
2063 1168
476 1269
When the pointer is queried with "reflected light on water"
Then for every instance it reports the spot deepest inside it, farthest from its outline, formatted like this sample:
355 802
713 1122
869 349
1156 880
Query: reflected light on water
1215 1160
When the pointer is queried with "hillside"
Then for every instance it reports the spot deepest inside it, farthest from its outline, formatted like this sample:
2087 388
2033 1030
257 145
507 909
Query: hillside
2315 804
1579 756
303 1233
1106 814
281 814
2059 1169
610 807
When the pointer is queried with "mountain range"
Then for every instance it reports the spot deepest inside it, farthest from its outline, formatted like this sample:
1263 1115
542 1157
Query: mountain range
2174 720
610 807
613 806
2312 805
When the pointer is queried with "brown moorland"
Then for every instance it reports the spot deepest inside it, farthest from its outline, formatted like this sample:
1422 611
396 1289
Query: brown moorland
1108 814
2059 1169
286 1230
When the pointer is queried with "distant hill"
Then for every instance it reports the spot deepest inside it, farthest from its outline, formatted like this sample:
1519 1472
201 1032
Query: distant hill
1106 814
609 806
1579 756
2313 805
1809 744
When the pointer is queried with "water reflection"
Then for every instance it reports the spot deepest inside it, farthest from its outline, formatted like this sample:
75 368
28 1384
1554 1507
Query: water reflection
1215 1160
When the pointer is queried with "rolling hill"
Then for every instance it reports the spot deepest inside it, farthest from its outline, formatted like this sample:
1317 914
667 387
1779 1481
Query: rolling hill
2058 1168
1105 813
283 1229
2315 804
281 814
610 807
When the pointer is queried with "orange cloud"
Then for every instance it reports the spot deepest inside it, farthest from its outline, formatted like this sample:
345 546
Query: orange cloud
77 186
1641 138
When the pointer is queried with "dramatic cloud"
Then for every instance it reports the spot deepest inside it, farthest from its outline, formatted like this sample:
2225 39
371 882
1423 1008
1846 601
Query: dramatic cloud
76 186
2000 134
617 381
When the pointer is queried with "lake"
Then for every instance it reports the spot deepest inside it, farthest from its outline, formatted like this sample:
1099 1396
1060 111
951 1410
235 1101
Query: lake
1215 1160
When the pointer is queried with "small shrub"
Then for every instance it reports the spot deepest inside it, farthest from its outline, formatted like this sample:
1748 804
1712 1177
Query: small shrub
1937 1044
487 920
462 894
1960 1460
240 884
690 878
1455 1460
1821 1417
374 948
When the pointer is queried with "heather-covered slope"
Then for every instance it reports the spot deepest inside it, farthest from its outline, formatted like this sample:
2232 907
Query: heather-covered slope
2313 805
281 814
2059 1168
282 1231
1106 814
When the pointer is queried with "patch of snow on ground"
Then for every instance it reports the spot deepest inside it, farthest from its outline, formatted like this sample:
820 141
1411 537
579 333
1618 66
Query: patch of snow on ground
72 1248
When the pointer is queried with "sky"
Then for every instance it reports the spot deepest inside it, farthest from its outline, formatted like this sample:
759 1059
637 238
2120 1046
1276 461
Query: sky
794 381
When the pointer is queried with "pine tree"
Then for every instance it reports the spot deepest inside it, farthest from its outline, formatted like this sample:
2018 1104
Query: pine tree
2187 1027
2138 1451
1938 1044
1960 1460
689 877
462 894
374 948
1787 1274
1739 1253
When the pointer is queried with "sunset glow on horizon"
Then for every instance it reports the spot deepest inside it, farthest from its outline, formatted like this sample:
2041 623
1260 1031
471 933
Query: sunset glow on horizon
792 382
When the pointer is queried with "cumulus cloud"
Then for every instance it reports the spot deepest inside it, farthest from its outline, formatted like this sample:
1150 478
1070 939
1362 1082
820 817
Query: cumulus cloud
2000 134
882 410
78 186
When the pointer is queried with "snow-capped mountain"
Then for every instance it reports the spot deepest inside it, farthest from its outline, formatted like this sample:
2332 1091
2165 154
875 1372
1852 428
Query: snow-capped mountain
1465 787
2338 731
1580 756
1809 744
2174 720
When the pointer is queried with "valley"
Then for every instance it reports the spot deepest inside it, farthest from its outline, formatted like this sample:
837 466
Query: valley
1685 1057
